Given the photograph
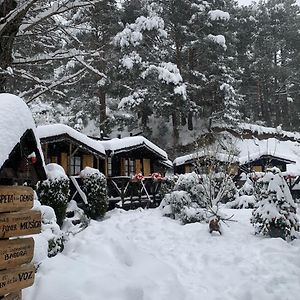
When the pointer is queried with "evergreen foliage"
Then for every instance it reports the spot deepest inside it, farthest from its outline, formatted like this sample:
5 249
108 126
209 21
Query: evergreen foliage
94 185
275 212
176 61
55 193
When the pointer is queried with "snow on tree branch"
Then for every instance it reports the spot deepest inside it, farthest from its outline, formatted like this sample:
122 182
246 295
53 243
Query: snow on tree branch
57 55
55 84
55 9
132 33
19 12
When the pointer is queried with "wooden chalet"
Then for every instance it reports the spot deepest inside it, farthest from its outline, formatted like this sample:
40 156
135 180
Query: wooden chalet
127 159
261 162
71 149
204 162
120 159
21 158
132 155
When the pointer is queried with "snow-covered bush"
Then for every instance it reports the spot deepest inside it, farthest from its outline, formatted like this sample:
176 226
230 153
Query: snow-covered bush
173 203
245 197
76 220
216 188
95 187
243 201
50 231
275 212
55 190
178 205
167 185
190 183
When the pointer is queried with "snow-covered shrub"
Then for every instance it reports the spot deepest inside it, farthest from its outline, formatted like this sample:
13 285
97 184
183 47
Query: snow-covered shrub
247 188
76 220
95 187
245 197
167 185
55 190
173 203
192 215
275 212
50 231
178 205
243 201
187 182
216 188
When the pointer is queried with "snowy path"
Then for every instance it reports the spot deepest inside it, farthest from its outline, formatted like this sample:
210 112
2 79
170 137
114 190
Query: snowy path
139 255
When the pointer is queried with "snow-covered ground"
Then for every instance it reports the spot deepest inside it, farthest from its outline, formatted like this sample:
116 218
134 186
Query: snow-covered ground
140 255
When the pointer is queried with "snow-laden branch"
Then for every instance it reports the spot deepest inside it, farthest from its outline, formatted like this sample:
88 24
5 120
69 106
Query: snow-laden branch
57 55
18 12
91 68
55 9
55 84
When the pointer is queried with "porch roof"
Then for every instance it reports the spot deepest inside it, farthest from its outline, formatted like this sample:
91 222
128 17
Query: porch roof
56 131
130 143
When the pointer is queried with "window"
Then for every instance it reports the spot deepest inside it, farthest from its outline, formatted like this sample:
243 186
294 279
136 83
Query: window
75 165
126 167
131 167
109 167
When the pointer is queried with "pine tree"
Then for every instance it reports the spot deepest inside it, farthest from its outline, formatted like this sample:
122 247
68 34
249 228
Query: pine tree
275 213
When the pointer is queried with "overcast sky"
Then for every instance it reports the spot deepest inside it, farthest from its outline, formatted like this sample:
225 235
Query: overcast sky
246 2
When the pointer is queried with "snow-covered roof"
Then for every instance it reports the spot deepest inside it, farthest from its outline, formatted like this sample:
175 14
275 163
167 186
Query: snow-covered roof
251 149
258 130
47 131
15 119
223 157
124 144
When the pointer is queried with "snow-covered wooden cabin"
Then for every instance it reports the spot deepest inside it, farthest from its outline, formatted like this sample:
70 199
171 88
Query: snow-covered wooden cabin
71 149
256 148
127 157
21 158
132 155
202 162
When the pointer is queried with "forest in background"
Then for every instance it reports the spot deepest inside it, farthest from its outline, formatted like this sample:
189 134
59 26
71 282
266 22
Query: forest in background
159 68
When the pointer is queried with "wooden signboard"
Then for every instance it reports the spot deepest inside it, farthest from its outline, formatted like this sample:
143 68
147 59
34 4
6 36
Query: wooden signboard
16 252
13 296
16 279
15 198
20 223
16 219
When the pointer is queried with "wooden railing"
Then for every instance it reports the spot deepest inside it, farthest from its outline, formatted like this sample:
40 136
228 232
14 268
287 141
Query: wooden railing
125 192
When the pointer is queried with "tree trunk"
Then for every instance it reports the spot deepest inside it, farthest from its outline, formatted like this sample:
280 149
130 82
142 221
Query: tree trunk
7 38
175 128
190 121
102 112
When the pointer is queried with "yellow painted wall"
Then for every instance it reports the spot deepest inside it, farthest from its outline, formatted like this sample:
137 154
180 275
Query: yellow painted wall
257 168
64 161
138 166
87 161
146 165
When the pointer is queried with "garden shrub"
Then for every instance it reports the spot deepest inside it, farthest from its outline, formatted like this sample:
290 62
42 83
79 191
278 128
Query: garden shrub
94 185
55 191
